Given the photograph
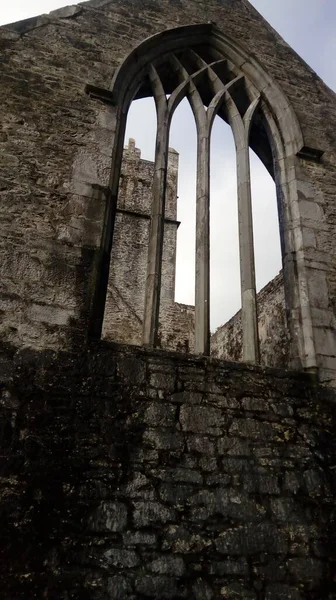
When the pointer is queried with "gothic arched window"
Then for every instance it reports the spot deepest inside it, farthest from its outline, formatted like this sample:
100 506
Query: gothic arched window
218 78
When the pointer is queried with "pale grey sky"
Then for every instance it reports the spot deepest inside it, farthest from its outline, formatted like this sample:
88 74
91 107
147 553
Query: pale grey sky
309 27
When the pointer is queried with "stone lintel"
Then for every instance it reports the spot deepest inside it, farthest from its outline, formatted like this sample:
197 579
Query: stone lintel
134 213
99 93
308 153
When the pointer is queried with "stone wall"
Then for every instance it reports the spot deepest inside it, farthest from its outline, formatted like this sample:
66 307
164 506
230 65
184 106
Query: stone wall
124 307
135 474
128 474
56 162
226 342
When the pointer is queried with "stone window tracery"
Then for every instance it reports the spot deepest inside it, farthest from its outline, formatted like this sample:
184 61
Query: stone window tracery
212 86
218 78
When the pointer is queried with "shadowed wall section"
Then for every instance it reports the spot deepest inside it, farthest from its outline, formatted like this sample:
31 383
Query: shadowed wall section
132 474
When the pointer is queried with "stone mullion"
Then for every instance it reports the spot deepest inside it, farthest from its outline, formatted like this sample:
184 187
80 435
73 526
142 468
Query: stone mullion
202 258
156 233
202 277
202 267
240 130
247 264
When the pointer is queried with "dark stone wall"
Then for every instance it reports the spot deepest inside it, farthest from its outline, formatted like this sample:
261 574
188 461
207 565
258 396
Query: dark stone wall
135 474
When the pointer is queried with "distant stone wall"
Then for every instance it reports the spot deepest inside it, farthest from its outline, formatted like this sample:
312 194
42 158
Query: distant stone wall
128 474
177 326
128 269
226 342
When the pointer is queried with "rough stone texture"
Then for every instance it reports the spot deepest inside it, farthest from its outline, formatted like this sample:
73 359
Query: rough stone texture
226 342
131 474
124 310
56 163
135 474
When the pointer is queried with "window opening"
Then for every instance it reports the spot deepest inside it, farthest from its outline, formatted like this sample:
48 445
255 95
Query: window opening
224 248
124 308
183 138
205 75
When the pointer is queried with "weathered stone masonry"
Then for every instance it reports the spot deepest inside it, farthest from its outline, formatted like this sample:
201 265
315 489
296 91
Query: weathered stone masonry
56 164
124 309
125 303
226 342
135 474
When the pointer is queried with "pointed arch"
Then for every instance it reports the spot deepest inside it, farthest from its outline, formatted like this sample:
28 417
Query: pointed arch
209 68
130 74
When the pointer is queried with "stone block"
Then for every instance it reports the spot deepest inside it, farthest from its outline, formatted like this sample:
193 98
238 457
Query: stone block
325 342
249 540
159 414
299 538
292 482
121 558
237 590
131 370
313 481
232 446
139 538
180 540
108 517
164 439
255 404
281 409
286 510
139 486
268 482
175 493
118 587
156 587
236 465
201 445
202 590
167 565
272 570
239 567
151 513
255 430
282 592
220 480
179 475
162 381
208 464
310 211
186 397
201 419
229 505
318 289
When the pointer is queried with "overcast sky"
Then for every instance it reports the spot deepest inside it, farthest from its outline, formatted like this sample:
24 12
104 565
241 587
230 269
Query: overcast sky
309 27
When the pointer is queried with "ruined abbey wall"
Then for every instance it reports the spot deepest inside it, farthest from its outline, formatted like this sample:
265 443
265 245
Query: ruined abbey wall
56 161
123 319
129 473
124 309
226 342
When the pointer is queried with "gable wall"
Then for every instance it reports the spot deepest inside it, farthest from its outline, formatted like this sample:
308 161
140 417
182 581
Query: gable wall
56 157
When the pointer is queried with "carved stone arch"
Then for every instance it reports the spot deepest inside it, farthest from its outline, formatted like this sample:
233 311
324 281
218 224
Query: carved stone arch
277 142
132 70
